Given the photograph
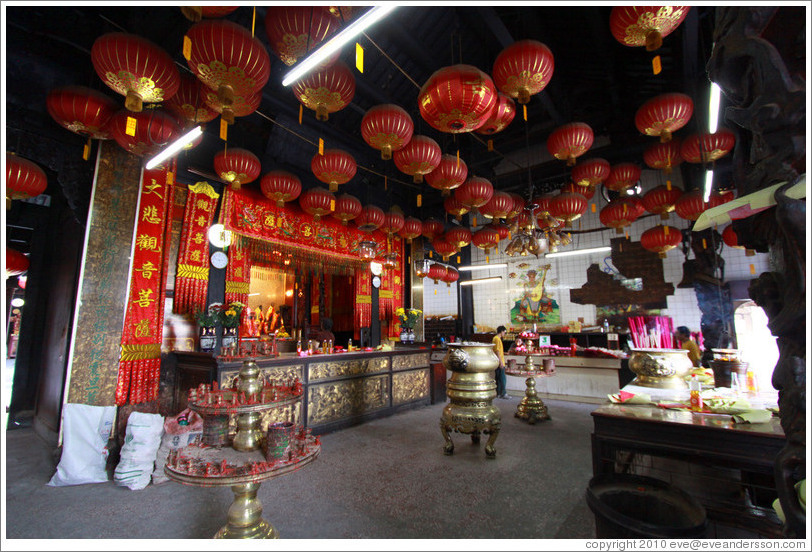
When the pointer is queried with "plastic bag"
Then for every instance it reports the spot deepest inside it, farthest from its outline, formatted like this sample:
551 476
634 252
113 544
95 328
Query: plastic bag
141 442
85 432
176 435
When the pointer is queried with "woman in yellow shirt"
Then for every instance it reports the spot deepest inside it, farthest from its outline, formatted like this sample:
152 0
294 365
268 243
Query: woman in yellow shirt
684 337
499 375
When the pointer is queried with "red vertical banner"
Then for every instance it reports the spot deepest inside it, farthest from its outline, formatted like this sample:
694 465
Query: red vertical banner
140 361
238 274
363 300
315 300
192 278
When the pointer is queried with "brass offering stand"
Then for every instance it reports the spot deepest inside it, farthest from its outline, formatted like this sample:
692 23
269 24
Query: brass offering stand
471 390
243 466
531 408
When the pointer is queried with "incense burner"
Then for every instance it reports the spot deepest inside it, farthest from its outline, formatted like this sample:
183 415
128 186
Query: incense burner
663 368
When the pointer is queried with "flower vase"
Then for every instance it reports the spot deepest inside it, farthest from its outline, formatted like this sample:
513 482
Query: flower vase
411 336
229 336
208 339
404 335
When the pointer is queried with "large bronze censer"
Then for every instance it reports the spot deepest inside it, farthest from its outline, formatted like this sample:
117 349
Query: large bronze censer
471 390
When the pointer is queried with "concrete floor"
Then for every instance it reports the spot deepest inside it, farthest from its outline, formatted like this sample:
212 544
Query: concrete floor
386 479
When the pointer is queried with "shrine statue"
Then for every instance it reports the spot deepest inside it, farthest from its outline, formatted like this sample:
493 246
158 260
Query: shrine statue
259 317
248 325
271 319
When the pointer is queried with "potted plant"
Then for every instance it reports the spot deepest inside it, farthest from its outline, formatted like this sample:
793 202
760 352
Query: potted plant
408 318
207 321
230 319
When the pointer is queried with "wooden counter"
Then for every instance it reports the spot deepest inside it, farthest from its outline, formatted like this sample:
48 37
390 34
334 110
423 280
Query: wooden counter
341 389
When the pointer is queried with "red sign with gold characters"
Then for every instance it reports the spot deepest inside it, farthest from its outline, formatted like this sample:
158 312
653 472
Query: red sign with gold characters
238 274
140 362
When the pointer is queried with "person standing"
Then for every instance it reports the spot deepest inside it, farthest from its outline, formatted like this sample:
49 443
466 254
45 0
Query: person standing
683 335
499 349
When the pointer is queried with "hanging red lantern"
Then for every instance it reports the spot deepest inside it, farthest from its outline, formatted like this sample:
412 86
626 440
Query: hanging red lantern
317 202
587 191
459 236
136 68
228 59
661 239
412 228
387 128
567 207
419 157
486 238
154 130
645 25
663 156
501 228
498 206
619 213
518 205
501 116
432 228
24 179
707 148
334 167
281 186
522 69
474 192
16 263
443 247
348 207
449 174
196 13
370 219
294 31
453 207
189 102
326 91
691 204
237 166
242 106
591 172
730 237
623 176
663 115
392 222
81 110
457 99
661 200
437 272
570 141
451 275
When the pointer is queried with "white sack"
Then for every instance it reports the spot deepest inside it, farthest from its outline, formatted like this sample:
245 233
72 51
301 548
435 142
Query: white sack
141 442
85 432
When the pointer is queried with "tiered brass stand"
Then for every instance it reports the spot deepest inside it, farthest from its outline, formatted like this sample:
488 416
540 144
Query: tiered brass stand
471 390
243 465
531 408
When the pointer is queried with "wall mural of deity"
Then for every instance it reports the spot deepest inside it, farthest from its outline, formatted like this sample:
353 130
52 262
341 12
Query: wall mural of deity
529 288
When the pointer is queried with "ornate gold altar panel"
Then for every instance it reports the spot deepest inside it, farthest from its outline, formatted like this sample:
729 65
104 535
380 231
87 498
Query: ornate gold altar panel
342 368
338 400
102 297
410 386
229 377
404 362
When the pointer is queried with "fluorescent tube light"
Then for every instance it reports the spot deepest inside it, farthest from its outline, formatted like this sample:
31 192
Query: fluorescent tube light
335 43
579 252
713 111
175 147
481 267
481 281
708 186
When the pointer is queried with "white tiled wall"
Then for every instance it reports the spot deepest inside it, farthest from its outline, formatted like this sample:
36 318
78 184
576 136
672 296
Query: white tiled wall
439 299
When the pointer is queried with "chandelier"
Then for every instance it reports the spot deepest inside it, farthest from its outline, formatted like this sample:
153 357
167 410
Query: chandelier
421 267
366 249
390 260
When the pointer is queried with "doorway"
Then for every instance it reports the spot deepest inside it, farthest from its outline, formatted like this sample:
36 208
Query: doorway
755 341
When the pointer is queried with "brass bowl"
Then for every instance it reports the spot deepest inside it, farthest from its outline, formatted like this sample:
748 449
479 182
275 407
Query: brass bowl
470 357
663 368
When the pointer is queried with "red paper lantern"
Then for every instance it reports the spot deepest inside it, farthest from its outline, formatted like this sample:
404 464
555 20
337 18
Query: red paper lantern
294 31
454 208
387 128
237 166
281 186
570 141
16 263
24 179
567 207
436 272
587 191
228 59
501 116
392 222
502 229
189 102
623 176
419 157
457 99
645 25
486 238
443 247
326 91
242 106
136 68
663 115
154 130
370 219
591 172
518 205
451 275
317 202
707 148
432 228
661 239
196 13
474 192
690 205
663 156
459 236
412 228
81 110
334 167
619 213
661 200
348 207
449 174
730 237
498 206
522 69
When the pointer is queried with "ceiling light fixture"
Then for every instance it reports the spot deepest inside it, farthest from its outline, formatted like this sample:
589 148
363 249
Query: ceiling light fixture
579 252
354 29
175 147
713 110
481 267
708 186
481 281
